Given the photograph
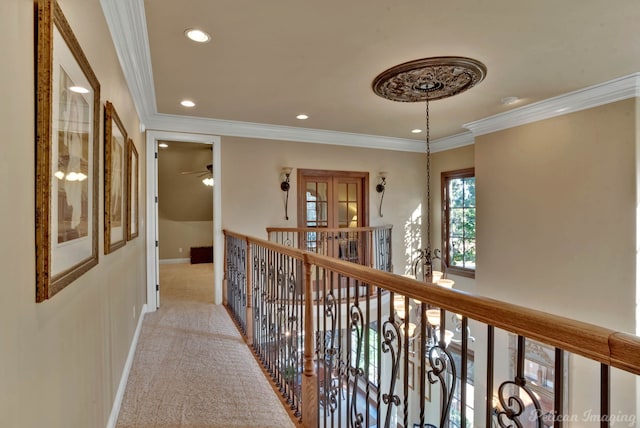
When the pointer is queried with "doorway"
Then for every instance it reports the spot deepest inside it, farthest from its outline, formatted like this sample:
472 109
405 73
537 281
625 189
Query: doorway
152 139
330 200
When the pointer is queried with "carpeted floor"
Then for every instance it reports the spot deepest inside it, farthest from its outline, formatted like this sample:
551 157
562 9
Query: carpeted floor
191 367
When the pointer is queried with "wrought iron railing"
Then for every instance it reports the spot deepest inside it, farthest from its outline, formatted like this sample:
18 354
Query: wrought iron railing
368 246
388 351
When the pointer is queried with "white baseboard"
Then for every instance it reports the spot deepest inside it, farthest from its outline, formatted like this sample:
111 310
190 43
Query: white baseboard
174 261
117 402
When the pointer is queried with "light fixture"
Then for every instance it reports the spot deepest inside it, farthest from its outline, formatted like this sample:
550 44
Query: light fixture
302 116
285 186
208 181
163 145
197 35
416 131
380 187
424 80
187 103
431 79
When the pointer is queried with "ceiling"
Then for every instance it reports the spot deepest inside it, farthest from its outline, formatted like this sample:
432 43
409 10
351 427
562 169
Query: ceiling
271 60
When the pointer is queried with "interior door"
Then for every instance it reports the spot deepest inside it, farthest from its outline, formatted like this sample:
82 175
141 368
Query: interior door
330 200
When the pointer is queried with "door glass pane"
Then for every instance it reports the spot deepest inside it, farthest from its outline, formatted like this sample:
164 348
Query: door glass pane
352 192
342 192
343 219
322 192
353 214
322 214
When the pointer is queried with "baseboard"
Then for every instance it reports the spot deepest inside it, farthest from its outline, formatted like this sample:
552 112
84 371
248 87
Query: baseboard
174 261
117 402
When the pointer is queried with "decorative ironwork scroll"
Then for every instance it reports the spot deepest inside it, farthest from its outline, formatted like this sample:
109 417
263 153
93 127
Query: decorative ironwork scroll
357 325
391 335
442 364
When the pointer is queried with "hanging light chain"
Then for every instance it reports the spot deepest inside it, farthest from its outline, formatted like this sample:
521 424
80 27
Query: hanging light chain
428 175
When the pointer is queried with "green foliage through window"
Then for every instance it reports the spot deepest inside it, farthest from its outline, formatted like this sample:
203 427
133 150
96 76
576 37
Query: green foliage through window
459 204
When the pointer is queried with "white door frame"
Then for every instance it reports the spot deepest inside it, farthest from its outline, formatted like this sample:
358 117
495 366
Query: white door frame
152 138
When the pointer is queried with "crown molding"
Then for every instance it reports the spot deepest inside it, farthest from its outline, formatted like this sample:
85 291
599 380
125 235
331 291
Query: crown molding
128 26
175 123
593 96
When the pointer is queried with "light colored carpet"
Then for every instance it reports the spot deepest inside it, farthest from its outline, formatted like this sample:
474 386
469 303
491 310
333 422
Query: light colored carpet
191 367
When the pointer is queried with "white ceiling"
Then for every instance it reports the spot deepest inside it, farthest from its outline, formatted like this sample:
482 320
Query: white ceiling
270 60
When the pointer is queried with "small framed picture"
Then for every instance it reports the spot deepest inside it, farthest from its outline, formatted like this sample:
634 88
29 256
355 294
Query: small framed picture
67 146
133 174
115 149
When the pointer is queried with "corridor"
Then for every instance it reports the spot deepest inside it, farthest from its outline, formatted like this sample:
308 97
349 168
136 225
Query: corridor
192 367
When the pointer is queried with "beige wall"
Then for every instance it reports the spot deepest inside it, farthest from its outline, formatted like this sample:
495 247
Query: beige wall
252 199
61 360
182 235
556 225
560 196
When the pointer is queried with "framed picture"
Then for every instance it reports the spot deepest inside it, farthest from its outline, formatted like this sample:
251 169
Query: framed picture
67 145
115 148
133 175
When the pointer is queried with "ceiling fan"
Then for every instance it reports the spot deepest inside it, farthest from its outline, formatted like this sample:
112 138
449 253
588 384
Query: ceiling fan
206 174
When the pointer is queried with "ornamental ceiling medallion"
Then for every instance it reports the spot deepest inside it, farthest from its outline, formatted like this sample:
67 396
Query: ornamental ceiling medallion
429 79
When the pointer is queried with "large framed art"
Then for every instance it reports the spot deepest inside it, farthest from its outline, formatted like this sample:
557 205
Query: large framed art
133 184
67 145
115 201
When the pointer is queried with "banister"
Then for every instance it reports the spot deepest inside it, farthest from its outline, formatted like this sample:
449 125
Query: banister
326 229
614 348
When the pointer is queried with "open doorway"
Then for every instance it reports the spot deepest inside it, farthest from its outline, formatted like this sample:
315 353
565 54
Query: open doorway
185 220
174 229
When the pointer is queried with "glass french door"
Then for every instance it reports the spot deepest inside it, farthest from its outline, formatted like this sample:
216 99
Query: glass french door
332 200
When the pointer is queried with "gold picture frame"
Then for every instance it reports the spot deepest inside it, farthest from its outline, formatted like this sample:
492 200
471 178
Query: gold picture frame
133 190
115 201
67 146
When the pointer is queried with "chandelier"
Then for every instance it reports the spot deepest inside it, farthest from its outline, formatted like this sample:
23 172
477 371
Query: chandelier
429 79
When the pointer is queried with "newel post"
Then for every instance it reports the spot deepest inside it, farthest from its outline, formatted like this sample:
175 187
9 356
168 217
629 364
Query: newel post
248 293
310 376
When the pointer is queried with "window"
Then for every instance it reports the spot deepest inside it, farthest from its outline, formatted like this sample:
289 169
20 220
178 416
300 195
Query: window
459 221
372 370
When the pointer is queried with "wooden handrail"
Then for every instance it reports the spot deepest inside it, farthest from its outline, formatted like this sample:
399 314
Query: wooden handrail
326 229
617 349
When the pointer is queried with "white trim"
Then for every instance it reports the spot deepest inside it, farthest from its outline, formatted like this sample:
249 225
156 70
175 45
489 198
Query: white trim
166 122
153 136
452 142
122 386
174 261
128 26
604 93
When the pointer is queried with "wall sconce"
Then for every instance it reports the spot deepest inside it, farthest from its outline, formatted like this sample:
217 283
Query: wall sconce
285 186
382 176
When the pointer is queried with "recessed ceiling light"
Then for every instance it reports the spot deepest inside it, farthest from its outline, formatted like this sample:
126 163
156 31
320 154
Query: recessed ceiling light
79 89
509 100
197 35
163 145
187 103
302 116
563 109
416 131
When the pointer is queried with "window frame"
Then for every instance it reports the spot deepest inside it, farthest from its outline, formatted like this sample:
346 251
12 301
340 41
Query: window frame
445 178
